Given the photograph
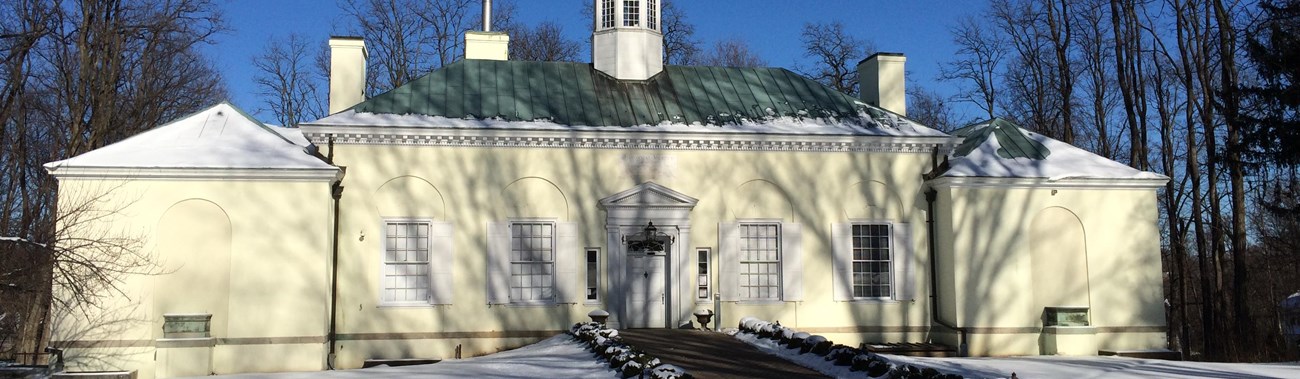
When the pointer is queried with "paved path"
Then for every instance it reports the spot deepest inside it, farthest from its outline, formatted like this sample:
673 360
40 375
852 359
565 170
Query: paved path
712 355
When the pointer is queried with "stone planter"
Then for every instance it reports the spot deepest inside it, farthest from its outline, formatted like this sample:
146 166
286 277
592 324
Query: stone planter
704 316
598 316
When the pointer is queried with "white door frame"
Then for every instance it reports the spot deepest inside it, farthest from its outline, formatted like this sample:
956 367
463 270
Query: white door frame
634 208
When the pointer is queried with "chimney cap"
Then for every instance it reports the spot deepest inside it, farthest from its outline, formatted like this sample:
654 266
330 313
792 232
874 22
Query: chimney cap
882 54
359 38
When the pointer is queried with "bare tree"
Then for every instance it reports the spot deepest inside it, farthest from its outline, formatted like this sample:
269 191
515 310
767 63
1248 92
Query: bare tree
81 75
929 108
976 65
285 77
1095 59
731 52
680 45
545 42
835 55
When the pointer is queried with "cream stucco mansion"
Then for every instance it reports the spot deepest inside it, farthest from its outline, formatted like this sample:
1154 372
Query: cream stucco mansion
493 203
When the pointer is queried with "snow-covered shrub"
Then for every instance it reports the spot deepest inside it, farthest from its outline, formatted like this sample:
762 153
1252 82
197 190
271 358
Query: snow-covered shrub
858 359
873 364
667 371
816 344
796 340
607 344
841 355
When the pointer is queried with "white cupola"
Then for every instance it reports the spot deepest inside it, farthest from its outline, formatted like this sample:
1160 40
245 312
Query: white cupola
627 43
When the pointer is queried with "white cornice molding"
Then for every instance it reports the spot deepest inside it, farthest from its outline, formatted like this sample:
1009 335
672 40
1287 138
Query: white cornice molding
158 173
1095 183
381 135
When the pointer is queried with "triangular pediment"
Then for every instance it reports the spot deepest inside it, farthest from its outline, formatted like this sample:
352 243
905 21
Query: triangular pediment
648 194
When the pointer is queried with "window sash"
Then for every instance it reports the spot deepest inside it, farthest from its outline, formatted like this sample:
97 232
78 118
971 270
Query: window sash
631 13
593 274
760 261
607 14
652 21
406 266
703 277
872 260
532 262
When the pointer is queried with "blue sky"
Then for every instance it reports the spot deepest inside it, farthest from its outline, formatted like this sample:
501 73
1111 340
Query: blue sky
919 29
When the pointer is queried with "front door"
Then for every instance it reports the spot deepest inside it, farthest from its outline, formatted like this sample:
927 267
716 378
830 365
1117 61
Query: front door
645 295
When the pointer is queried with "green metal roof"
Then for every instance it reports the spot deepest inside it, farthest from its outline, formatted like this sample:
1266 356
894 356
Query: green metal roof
577 94
1013 140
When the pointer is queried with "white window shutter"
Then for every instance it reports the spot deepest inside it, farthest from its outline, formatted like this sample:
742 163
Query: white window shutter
791 261
842 256
498 263
729 261
442 258
567 253
904 262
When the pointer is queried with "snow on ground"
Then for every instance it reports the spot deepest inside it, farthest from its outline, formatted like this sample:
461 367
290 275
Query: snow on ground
556 357
1045 366
1099 367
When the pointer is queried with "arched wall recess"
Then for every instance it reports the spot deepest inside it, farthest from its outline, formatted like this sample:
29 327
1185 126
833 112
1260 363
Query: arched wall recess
409 196
1058 259
534 197
760 198
194 240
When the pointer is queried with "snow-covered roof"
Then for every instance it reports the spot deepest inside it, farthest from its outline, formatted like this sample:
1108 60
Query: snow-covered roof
486 94
883 124
221 137
999 149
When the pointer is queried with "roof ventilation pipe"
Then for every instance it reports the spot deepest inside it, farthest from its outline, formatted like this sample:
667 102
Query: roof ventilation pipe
486 44
347 72
881 81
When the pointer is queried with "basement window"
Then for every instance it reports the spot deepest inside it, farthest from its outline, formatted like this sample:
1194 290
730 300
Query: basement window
1065 316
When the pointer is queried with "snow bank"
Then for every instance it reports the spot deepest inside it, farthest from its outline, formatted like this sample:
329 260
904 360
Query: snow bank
557 357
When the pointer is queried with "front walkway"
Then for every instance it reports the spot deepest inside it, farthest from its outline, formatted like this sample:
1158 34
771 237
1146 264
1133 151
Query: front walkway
707 354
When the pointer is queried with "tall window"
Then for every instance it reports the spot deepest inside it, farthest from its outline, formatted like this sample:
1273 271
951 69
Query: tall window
760 261
607 13
702 279
406 262
651 15
631 13
871 261
593 274
532 261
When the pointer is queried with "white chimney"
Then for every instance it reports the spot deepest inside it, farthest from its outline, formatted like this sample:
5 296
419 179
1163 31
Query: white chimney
627 43
486 44
881 81
347 72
